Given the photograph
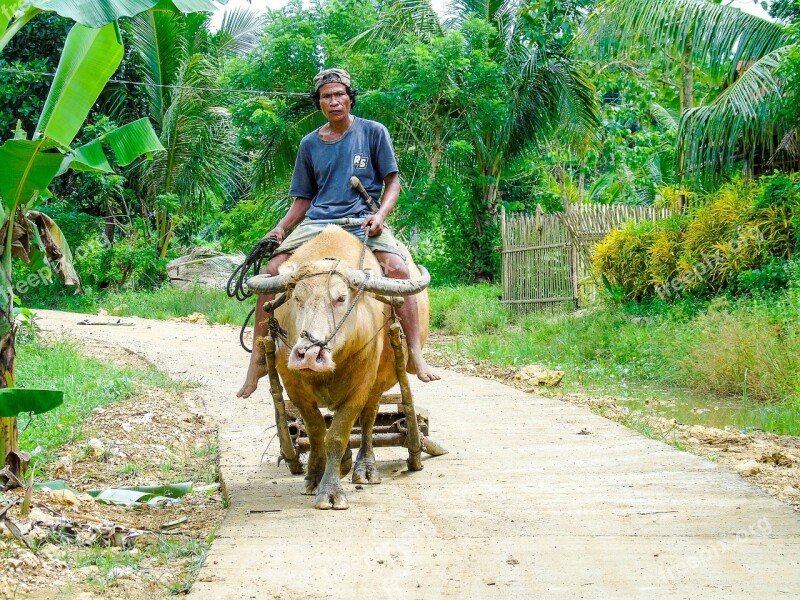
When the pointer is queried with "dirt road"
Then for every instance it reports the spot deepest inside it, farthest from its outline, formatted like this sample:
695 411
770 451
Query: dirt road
537 499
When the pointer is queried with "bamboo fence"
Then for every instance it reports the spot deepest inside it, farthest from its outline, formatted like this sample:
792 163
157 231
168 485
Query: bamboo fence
546 259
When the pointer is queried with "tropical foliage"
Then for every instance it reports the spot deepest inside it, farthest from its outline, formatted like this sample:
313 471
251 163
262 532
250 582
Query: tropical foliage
739 53
92 52
741 238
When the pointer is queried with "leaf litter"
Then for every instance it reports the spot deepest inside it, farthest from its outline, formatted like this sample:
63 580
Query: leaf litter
128 516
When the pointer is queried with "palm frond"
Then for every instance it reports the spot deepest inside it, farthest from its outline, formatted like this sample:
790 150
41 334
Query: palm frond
720 38
664 117
239 32
159 41
399 18
491 11
744 118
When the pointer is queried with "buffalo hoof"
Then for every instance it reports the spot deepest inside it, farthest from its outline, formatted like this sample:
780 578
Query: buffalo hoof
312 483
347 463
366 471
331 496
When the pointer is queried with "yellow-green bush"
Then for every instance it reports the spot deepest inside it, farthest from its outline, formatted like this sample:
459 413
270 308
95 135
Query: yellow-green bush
622 259
738 238
709 235
666 250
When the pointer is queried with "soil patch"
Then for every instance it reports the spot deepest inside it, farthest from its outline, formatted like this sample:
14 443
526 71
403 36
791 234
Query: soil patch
84 549
770 461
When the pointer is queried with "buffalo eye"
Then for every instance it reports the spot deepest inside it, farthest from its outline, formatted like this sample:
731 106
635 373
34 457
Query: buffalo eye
340 300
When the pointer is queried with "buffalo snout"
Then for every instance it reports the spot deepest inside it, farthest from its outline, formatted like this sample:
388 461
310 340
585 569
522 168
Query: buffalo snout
314 358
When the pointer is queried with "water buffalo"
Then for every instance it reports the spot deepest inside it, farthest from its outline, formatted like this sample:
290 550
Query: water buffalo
349 372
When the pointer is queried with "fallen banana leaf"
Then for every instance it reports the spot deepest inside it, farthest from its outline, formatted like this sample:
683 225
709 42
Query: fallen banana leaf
174 490
130 498
23 400
55 485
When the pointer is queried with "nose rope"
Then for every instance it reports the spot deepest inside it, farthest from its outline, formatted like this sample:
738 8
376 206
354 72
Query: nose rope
323 344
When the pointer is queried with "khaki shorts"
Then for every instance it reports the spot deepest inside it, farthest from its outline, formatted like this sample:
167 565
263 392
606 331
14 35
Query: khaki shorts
308 230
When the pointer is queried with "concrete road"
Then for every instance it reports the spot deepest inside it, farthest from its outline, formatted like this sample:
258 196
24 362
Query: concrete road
537 499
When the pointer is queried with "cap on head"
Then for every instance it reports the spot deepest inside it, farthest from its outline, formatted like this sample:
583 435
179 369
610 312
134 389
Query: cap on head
331 76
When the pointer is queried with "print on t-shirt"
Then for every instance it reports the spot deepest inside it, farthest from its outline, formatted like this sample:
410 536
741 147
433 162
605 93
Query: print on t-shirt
360 161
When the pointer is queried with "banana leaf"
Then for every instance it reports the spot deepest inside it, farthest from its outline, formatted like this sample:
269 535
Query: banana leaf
25 170
90 157
55 246
159 495
173 490
38 255
90 57
96 14
7 10
130 141
24 400
55 485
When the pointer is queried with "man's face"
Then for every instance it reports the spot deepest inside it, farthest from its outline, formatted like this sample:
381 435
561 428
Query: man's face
334 102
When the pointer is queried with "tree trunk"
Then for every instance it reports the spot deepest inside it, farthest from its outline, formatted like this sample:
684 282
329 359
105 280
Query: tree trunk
9 435
687 76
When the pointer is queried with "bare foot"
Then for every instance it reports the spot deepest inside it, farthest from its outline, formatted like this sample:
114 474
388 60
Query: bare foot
256 370
417 366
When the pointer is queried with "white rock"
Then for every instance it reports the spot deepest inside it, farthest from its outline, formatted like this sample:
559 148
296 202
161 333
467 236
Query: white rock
98 448
748 468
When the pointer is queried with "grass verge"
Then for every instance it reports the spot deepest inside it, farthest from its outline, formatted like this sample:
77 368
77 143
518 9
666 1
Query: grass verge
743 351
87 384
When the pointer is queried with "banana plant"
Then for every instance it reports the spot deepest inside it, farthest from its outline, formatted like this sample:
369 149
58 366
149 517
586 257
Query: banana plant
92 53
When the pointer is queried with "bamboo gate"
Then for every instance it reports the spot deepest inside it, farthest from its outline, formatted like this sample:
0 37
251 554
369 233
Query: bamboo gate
546 258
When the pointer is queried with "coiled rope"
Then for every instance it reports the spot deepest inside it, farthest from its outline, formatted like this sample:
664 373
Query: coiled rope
249 268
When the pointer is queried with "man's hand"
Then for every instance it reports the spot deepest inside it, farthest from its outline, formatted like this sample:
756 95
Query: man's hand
278 233
373 225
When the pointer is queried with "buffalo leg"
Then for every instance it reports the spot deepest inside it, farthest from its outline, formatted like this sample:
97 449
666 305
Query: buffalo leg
330 493
316 429
366 471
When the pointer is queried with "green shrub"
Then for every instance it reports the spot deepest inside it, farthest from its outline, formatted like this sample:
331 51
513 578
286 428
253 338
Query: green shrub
666 249
128 264
622 260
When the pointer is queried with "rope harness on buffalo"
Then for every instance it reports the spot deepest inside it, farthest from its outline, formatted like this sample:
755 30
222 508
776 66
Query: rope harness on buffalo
236 284
323 344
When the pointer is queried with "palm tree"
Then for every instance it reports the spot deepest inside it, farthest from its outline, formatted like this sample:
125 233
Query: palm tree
181 63
740 50
92 52
506 86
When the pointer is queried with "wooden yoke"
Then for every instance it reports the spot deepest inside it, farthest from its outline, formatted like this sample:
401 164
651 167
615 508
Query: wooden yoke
288 451
414 443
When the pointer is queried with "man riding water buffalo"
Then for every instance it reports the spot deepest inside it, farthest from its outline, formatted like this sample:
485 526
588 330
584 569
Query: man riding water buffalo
327 158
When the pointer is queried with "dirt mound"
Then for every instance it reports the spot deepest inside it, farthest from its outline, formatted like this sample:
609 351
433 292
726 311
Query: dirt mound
82 548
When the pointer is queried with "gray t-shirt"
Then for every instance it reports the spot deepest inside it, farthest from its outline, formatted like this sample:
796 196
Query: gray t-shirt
322 170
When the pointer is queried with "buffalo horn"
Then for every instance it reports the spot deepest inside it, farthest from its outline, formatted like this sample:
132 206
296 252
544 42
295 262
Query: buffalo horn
389 286
265 284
